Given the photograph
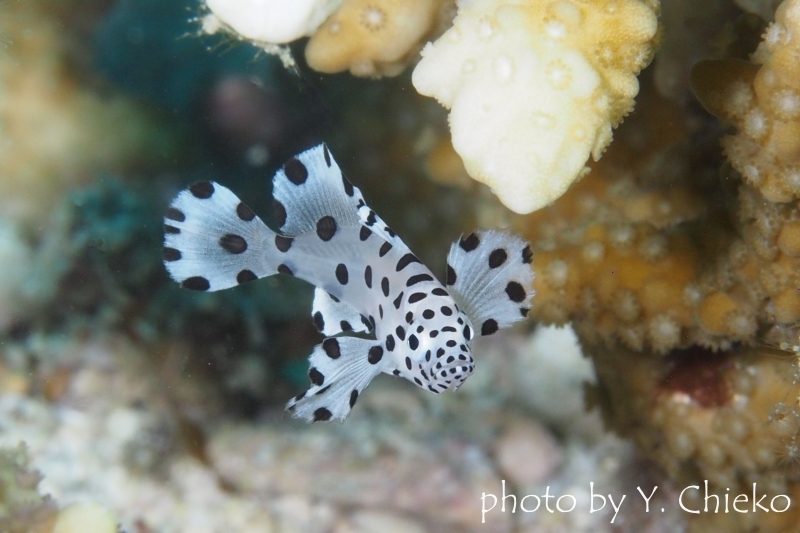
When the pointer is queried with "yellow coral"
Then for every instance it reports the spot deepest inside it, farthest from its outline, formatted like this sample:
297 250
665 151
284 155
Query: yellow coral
728 419
535 88
374 37
763 102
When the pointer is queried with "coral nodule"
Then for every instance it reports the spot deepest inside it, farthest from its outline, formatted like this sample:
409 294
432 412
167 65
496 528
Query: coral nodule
569 67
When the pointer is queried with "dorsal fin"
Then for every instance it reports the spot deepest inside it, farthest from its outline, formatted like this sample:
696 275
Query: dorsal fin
309 190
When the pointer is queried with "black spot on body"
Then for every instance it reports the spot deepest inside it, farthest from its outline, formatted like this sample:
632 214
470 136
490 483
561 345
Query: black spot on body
497 258
385 247
446 311
295 171
524 311
467 332
389 343
371 218
172 230
408 363
344 325
332 349
527 254
375 355
419 278
244 212
202 189
418 382
434 333
450 278
353 398
385 286
326 228
316 376
245 275
389 231
283 243
196 283
365 233
322 415
451 343
319 321
398 301
449 328
450 359
396 372
438 291
401 333
469 243
428 313
279 212
326 154
283 269
416 297
368 276
439 353
173 213
409 317
406 260
334 298
413 342
342 276
323 390
348 187
489 327
171 254
380 310
515 291
234 244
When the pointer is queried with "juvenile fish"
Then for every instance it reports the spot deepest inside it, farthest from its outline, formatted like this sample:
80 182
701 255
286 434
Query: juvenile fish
366 279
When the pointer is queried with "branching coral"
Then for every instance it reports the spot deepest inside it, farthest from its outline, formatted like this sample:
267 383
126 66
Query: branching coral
762 99
273 21
673 274
570 70
375 37
716 417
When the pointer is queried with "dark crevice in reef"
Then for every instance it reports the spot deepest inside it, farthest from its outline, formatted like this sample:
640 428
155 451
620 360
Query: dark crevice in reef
699 373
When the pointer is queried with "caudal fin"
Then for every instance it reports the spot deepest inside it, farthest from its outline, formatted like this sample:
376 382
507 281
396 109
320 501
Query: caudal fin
213 241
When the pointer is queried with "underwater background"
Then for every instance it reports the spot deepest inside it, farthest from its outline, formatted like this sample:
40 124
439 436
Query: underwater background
662 348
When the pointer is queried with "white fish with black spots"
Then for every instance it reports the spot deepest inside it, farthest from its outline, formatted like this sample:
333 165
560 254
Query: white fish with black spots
366 278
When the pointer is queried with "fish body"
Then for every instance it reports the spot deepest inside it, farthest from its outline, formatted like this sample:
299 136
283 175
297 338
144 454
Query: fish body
367 280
